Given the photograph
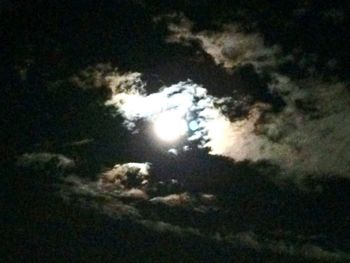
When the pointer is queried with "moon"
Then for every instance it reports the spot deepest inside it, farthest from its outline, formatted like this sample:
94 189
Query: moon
170 126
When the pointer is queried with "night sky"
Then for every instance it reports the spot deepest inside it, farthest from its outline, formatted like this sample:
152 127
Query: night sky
175 131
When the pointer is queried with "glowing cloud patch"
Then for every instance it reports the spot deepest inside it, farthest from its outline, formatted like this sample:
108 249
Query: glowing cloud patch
180 110
170 126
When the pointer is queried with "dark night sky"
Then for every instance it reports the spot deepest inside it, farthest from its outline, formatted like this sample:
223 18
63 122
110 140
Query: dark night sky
259 173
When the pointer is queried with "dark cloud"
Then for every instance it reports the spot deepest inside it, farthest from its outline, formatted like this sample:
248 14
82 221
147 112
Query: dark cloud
50 164
262 171
239 202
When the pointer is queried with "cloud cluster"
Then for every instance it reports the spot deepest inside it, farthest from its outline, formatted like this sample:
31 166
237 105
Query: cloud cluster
170 214
128 174
184 99
104 75
228 47
44 161
316 111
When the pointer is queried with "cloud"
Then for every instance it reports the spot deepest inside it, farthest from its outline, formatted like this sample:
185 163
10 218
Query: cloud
185 99
104 75
134 193
45 161
163 227
173 199
316 111
228 46
189 215
128 174
292 137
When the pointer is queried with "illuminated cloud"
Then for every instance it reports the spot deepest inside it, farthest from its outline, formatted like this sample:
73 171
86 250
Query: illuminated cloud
106 76
127 175
305 142
173 200
315 111
289 138
228 46
174 107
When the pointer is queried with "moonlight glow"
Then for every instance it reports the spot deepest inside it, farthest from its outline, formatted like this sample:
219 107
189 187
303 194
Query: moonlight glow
180 110
170 126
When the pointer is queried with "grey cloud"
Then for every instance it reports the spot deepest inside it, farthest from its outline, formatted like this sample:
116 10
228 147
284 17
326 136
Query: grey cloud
43 161
173 200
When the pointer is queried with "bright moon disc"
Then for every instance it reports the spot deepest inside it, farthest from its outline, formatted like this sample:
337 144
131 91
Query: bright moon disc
170 126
